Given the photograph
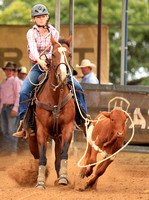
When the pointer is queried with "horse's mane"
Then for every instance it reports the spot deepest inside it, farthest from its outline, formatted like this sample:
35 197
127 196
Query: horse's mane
63 41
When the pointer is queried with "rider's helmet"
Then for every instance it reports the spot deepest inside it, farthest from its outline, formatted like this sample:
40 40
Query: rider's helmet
38 10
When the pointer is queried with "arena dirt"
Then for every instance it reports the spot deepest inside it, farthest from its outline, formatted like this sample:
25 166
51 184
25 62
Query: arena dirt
126 178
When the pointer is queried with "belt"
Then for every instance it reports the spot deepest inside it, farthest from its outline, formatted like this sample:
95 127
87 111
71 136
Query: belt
8 105
35 62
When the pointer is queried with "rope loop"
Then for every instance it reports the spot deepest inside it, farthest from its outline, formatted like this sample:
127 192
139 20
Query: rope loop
114 154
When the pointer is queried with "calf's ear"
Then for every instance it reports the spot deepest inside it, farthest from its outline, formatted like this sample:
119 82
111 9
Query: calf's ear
106 114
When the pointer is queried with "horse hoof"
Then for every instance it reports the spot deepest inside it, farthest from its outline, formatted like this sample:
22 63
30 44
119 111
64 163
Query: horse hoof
81 176
62 181
40 186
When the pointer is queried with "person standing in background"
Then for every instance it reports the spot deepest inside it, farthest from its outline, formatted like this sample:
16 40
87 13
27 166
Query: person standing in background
22 73
16 73
86 67
9 104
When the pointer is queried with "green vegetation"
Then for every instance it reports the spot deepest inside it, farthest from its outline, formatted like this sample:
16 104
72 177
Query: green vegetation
86 12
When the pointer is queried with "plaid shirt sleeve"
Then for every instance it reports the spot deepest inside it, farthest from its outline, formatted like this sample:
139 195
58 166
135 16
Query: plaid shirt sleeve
32 46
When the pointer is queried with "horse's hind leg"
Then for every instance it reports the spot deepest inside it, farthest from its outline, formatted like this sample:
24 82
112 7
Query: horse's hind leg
33 146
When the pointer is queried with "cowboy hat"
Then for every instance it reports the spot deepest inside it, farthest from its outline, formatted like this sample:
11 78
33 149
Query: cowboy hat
85 63
22 70
9 66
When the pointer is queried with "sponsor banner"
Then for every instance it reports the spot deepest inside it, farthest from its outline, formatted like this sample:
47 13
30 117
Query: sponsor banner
13 47
133 99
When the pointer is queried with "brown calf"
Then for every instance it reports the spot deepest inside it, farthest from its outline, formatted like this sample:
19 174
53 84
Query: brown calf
105 136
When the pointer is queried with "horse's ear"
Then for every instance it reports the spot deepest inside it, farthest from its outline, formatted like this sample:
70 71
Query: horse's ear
53 40
69 39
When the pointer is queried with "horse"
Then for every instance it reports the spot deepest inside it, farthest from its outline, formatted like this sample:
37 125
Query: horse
55 115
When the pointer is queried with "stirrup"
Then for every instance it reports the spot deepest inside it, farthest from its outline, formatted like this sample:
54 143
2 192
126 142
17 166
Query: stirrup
29 133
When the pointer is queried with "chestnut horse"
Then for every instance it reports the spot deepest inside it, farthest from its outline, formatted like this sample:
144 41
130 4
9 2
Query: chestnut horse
55 115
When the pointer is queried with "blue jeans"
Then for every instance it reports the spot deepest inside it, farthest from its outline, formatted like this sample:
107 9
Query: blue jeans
80 96
27 87
8 126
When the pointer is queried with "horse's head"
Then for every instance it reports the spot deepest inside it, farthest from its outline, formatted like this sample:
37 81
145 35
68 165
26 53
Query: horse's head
61 57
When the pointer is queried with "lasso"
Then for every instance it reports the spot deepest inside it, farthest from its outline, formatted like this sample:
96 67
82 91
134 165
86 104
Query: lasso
132 135
40 70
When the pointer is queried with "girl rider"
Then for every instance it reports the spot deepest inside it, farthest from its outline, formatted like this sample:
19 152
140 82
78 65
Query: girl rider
39 39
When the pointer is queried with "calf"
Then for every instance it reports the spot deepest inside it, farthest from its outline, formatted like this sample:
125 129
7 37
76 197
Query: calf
105 136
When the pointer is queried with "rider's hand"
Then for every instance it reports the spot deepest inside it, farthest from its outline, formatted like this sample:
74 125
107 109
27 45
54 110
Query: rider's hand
13 113
43 57
42 63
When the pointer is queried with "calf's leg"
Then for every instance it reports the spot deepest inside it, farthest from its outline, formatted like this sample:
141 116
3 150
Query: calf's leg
101 168
86 162
92 159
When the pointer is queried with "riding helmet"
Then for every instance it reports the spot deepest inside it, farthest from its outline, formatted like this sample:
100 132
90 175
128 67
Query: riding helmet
38 10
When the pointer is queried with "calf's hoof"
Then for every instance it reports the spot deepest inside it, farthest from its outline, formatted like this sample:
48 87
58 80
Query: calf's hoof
81 176
90 186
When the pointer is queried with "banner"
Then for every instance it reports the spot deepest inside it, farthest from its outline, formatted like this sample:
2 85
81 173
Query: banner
13 47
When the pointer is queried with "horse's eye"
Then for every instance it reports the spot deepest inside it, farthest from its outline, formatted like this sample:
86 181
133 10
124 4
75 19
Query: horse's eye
53 55
112 120
70 56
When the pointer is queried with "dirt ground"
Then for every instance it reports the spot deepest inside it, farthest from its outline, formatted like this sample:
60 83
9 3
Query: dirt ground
126 178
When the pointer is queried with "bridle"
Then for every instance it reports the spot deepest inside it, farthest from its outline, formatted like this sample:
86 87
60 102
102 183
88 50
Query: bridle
58 76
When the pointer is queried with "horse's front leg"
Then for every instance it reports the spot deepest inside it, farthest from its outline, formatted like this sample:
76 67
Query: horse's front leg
67 132
57 155
42 146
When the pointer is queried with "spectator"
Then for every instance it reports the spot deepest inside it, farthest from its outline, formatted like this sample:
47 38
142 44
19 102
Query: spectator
22 73
9 104
16 74
86 67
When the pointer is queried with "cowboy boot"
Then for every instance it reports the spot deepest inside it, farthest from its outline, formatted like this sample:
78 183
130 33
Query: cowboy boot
20 131
24 134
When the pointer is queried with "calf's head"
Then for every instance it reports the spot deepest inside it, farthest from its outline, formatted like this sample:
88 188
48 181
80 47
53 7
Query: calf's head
118 121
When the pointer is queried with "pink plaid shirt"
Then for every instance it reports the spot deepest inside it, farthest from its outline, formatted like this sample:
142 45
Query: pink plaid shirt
9 93
37 42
